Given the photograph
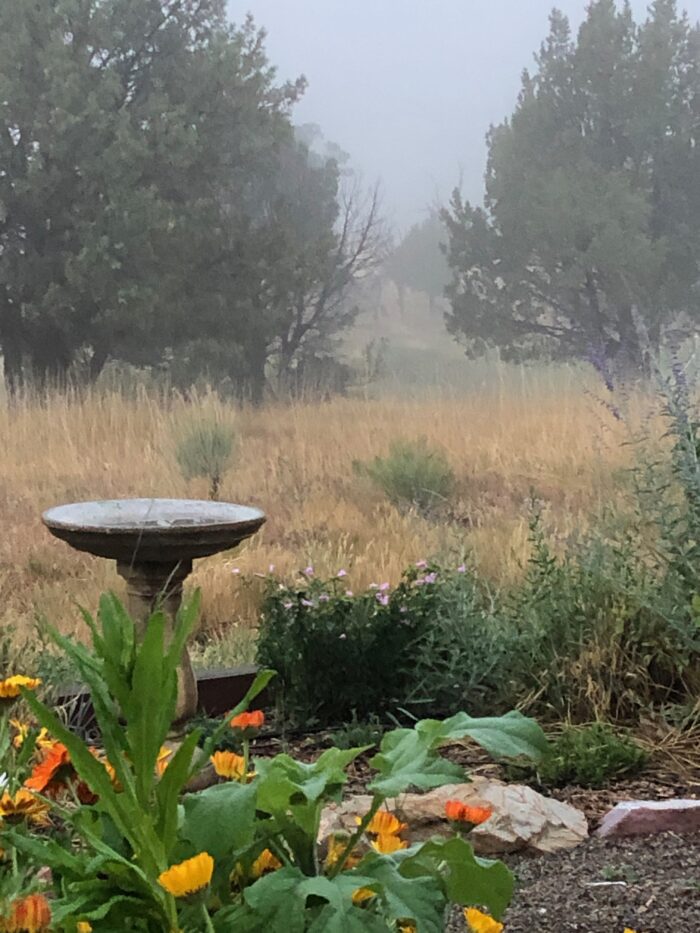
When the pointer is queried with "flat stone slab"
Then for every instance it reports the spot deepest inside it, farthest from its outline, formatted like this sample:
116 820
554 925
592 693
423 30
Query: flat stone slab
649 817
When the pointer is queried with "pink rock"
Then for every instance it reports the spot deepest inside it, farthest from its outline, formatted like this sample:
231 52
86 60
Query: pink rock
639 817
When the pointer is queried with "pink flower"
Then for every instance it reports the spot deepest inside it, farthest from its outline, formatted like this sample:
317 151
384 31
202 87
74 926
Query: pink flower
383 599
271 568
341 574
462 568
236 570
349 593
384 587
323 598
306 602
309 572
422 564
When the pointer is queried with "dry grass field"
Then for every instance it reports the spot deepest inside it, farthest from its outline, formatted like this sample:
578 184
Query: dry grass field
296 463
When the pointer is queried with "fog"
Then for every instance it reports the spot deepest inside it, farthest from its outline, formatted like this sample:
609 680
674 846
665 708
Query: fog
410 87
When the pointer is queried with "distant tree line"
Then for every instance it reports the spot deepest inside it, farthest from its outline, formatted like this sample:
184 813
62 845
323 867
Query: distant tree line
157 205
588 241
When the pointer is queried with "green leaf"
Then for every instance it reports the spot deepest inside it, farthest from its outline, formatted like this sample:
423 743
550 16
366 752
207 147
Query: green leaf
220 819
468 880
169 787
420 899
509 736
408 758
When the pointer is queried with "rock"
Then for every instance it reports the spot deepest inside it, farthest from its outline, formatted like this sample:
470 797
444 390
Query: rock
639 817
522 818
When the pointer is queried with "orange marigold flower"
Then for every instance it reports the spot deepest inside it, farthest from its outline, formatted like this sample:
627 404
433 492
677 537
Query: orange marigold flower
386 843
23 806
10 686
384 823
31 914
229 765
265 863
252 720
163 760
50 772
481 923
458 812
189 876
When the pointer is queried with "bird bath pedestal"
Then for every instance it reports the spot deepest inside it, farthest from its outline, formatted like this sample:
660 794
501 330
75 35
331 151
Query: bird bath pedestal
154 542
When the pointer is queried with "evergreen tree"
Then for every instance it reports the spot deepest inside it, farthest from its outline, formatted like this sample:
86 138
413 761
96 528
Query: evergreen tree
588 241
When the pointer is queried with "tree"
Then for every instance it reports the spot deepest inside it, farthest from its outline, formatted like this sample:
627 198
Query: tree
588 241
134 135
418 262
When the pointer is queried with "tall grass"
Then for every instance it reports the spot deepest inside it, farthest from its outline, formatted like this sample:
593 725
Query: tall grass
504 445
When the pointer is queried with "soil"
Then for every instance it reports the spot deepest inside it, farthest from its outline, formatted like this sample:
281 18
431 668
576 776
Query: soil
648 884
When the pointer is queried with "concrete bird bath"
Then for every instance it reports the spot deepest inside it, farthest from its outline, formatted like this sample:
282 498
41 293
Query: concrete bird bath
154 542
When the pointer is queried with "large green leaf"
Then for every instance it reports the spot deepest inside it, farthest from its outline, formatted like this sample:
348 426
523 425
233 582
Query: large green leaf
468 880
220 819
509 736
419 899
408 758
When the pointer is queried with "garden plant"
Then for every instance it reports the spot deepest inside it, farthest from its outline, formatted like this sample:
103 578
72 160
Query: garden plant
127 847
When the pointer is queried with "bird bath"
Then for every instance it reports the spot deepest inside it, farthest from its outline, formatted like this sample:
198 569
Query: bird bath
154 542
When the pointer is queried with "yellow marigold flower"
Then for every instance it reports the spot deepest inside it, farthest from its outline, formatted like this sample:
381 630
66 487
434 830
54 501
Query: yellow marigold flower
337 844
629 930
407 928
22 730
361 895
264 863
23 806
10 686
189 876
481 923
384 823
229 765
386 843
30 914
83 927
163 760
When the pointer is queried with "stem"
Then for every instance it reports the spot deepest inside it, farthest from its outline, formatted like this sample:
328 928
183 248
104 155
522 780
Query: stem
377 801
208 925
246 759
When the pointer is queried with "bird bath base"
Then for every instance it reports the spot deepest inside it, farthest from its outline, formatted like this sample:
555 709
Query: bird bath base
154 542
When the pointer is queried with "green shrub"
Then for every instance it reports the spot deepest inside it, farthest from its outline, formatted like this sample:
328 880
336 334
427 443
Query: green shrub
341 655
206 449
412 475
589 756
356 733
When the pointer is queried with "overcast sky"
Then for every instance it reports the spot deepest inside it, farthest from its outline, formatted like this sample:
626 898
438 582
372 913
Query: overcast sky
409 87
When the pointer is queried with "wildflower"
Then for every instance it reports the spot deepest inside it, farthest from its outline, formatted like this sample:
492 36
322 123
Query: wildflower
458 812
341 574
23 806
236 571
342 636
189 876
422 564
307 602
481 923
30 914
51 773
22 730
386 843
349 593
309 571
462 568
324 598
373 586
383 587
163 760
271 568
287 604
384 822
229 765
83 927
252 720
361 895
10 686
383 599
265 863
